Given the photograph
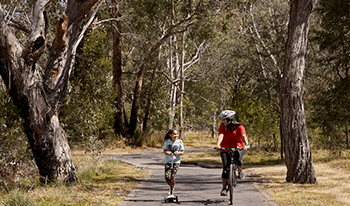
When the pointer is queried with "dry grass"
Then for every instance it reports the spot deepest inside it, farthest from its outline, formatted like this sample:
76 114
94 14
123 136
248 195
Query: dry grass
333 177
102 181
198 140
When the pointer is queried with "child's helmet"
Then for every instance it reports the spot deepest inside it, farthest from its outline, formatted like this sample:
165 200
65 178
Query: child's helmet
228 114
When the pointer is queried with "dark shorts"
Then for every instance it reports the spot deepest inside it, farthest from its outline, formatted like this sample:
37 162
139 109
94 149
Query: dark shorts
226 161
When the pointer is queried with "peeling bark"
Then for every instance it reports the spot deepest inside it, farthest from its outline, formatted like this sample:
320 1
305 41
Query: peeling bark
39 98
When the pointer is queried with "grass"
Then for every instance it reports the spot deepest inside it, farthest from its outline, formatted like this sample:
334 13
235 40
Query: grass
198 140
333 177
102 181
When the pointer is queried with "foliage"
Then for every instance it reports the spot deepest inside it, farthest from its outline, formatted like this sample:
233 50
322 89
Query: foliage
88 109
331 113
15 157
330 90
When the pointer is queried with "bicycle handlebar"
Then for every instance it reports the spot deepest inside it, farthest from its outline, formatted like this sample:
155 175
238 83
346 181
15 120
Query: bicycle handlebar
231 149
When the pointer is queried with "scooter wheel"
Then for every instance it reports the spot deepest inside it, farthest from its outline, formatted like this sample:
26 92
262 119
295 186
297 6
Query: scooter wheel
177 200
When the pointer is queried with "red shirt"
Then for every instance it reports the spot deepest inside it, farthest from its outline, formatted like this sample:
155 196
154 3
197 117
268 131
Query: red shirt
232 139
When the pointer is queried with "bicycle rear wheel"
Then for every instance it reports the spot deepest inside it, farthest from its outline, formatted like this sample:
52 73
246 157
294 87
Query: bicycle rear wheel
231 185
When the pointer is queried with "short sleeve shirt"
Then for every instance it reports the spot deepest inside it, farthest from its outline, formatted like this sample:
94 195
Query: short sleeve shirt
173 146
232 139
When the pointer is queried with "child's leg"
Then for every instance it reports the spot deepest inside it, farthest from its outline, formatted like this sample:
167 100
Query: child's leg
173 177
168 173
168 176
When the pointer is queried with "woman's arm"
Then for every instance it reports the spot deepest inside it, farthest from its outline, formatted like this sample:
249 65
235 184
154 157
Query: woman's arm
218 142
246 143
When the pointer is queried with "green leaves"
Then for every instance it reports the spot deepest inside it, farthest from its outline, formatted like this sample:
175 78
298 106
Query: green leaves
89 109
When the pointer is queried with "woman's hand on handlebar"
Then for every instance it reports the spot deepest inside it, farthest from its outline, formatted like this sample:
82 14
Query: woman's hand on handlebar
168 152
218 147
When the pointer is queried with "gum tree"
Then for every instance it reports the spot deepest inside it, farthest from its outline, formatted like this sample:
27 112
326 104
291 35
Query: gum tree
299 163
38 89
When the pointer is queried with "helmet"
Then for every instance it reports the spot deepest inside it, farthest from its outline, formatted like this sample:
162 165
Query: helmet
228 114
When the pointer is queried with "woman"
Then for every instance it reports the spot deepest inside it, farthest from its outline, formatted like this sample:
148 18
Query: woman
231 135
175 146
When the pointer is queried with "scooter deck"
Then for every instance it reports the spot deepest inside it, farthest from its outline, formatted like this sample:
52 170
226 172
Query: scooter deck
171 198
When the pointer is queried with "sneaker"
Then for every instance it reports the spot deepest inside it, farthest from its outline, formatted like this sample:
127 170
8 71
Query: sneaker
223 192
241 174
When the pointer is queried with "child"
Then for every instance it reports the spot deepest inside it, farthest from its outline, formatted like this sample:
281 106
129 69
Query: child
175 146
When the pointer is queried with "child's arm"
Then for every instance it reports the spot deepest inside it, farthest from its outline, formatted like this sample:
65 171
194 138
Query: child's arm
167 152
179 153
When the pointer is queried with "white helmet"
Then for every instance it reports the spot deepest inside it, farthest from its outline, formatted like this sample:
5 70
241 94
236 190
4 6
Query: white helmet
228 114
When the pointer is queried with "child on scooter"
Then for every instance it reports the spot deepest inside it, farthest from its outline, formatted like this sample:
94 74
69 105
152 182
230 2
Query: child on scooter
175 146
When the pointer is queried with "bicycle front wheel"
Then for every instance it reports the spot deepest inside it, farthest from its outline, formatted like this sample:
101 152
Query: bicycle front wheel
234 175
231 183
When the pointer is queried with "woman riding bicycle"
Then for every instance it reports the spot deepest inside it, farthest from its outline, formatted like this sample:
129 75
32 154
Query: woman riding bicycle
231 135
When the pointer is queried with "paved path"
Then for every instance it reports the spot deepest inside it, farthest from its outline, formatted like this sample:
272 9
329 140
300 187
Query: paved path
195 185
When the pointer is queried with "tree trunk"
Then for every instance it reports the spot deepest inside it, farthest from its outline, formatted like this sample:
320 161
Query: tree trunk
213 126
346 134
120 125
182 77
282 144
40 97
150 92
171 68
293 120
138 86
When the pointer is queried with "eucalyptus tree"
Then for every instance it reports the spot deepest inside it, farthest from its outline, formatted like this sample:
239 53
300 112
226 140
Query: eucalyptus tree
299 163
38 86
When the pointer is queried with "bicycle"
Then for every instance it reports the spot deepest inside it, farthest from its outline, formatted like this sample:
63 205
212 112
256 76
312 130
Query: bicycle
233 173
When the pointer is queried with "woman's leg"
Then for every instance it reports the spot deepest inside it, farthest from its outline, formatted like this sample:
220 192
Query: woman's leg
225 157
238 155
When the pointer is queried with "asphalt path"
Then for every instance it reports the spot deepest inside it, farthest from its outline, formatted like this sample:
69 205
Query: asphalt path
195 184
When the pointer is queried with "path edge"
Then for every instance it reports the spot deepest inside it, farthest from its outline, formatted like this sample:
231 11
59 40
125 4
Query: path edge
269 199
132 194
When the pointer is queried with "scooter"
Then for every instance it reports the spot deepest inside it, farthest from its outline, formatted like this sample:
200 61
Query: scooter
171 197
